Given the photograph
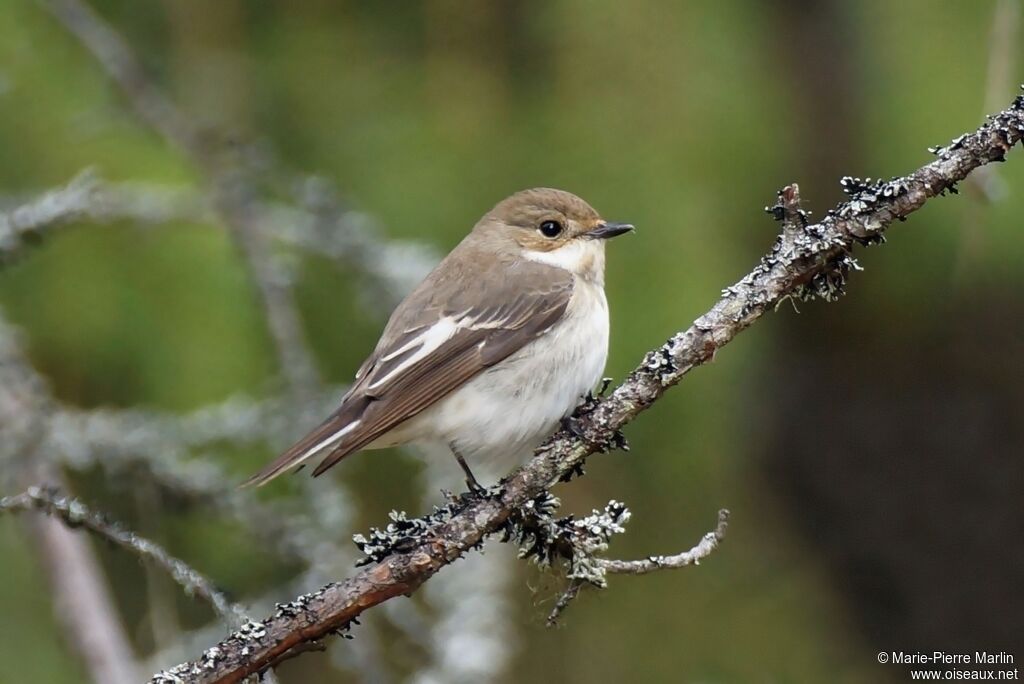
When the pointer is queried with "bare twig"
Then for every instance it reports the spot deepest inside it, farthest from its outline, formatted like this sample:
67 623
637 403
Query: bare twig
567 597
117 58
74 514
987 186
238 208
807 263
233 195
86 197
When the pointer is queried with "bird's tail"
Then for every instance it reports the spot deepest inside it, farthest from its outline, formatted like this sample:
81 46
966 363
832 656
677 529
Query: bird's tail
328 436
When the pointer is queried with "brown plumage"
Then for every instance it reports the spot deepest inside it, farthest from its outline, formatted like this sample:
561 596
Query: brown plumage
481 304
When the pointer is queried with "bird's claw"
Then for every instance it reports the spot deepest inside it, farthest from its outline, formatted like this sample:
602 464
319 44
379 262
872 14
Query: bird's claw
573 426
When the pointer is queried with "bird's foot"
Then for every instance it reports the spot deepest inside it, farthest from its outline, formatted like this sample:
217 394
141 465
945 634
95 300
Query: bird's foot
475 489
573 426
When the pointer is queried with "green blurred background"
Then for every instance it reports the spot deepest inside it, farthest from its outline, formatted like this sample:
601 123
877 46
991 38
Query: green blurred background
869 450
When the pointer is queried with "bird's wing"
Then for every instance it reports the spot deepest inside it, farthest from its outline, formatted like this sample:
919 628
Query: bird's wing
436 340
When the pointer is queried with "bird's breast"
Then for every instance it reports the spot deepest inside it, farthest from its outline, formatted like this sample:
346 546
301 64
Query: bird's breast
510 407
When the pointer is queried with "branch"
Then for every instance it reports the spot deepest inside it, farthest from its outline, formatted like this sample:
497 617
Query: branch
806 261
124 68
707 544
86 197
82 600
234 197
591 535
231 188
350 240
74 514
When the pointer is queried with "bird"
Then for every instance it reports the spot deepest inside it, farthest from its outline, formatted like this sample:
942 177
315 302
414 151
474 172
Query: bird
493 350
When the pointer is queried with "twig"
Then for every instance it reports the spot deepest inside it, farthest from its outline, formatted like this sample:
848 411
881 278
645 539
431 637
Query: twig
807 263
986 186
86 197
82 600
238 208
83 603
117 58
232 187
567 597
707 544
349 239
596 568
232 192
75 514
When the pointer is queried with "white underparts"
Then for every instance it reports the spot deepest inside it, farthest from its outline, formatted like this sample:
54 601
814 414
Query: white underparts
506 410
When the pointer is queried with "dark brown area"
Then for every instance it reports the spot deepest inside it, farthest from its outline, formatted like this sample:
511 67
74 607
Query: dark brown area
915 436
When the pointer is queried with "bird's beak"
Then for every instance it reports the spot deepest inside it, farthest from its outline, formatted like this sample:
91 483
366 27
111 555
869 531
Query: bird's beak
606 230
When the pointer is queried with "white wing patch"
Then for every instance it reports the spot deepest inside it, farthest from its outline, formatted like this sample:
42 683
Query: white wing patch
329 441
432 338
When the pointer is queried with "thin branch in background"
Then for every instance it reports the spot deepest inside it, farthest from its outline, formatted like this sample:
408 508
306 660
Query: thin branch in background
235 204
350 240
83 604
1003 50
82 600
34 423
813 261
120 63
231 190
174 452
469 638
986 185
235 199
75 514
87 197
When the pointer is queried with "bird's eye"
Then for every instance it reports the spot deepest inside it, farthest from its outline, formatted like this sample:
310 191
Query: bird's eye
550 229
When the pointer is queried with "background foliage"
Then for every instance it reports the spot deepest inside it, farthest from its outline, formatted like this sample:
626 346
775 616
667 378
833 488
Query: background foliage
867 449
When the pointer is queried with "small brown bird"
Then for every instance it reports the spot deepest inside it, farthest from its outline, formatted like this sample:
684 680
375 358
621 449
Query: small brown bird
497 345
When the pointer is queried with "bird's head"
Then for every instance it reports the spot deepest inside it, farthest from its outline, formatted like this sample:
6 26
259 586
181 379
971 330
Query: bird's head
552 227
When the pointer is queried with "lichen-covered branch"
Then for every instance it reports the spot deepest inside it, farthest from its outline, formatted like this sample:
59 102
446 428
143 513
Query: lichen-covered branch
598 568
83 601
807 260
74 514
707 544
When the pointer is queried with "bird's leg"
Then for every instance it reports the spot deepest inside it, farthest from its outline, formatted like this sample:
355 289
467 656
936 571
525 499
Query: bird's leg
471 482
